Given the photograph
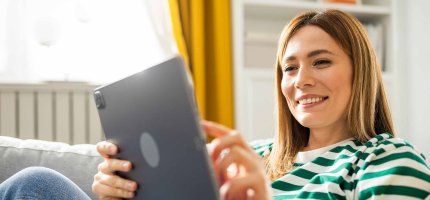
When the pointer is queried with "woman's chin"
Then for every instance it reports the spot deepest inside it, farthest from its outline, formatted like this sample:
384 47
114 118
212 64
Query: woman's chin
310 121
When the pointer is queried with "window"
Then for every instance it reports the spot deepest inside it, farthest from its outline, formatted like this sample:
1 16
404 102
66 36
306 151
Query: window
2 36
95 41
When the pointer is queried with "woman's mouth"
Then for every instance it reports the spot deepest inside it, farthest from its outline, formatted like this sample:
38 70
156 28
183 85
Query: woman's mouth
310 101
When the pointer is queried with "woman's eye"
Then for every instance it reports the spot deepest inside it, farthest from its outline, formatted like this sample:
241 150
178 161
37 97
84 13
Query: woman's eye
289 68
321 62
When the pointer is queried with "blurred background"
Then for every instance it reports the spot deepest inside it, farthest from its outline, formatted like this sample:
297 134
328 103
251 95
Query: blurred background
53 53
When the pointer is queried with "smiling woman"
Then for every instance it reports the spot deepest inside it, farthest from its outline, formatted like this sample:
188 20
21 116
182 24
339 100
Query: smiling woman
335 135
335 138
93 41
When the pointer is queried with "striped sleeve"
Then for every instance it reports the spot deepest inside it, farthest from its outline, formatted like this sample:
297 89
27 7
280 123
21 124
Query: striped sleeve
394 170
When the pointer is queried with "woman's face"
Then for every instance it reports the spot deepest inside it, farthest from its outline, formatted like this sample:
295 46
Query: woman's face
317 79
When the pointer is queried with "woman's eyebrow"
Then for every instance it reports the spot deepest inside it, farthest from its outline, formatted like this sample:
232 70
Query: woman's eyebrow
310 54
319 51
289 58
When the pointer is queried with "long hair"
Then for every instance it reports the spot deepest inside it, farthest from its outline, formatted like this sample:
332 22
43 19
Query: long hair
368 113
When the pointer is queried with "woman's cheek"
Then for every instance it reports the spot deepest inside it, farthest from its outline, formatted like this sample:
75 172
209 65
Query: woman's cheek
287 90
284 87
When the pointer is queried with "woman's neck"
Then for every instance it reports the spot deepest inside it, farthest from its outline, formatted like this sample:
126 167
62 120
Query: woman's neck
322 137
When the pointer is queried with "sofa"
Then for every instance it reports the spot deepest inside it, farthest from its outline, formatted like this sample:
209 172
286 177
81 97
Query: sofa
77 162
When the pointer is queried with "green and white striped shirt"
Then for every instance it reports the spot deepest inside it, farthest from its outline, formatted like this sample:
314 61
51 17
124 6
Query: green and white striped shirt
384 167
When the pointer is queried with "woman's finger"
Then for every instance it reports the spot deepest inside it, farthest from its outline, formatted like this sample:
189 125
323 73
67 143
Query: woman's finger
226 142
224 136
238 155
110 166
242 160
215 130
243 187
106 149
106 191
116 181
109 198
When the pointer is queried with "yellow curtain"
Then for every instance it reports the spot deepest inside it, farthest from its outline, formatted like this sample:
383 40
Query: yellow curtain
202 32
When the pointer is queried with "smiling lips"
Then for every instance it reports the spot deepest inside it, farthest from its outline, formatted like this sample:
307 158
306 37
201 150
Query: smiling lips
313 100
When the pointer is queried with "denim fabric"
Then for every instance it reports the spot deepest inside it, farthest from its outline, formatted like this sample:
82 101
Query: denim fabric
40 183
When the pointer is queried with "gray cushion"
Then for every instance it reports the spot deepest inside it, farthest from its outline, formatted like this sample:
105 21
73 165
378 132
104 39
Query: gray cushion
77 162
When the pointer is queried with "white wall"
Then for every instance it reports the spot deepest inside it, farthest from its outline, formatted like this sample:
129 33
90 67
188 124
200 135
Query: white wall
414 55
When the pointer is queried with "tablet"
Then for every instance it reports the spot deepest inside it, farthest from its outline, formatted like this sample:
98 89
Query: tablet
153 119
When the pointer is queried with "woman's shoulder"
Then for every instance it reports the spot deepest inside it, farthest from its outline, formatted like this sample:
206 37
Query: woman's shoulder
386 151
386 144
387 139
391 166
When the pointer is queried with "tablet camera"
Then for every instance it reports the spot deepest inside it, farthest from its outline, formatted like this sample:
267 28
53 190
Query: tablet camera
98 97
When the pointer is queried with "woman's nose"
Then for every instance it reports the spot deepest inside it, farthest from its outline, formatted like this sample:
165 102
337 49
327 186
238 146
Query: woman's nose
304 78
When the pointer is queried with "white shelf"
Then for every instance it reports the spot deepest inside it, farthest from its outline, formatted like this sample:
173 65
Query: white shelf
281 9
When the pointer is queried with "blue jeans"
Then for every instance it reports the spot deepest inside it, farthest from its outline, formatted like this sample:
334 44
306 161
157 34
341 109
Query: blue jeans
40 183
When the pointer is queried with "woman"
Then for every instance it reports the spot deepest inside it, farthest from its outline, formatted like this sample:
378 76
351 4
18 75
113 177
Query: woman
334 138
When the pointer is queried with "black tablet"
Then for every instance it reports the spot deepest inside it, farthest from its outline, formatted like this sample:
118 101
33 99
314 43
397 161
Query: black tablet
153 119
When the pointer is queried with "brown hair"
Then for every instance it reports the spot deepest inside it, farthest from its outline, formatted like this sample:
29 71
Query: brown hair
368 111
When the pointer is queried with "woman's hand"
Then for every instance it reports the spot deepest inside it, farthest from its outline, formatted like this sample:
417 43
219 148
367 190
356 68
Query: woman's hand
106 184
239 169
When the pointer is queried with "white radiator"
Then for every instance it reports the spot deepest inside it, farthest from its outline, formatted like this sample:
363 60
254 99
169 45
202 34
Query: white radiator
62 111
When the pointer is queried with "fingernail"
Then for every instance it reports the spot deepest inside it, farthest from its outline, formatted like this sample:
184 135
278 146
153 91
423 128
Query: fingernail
130 185
111 149
130 194
125 165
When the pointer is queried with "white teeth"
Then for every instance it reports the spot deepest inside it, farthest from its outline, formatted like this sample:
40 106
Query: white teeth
310 100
